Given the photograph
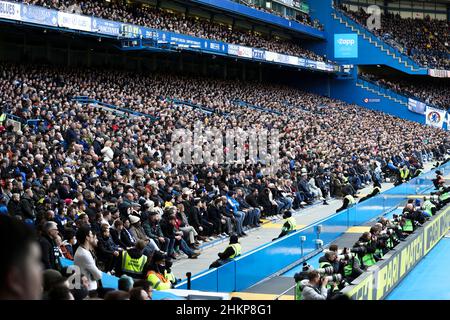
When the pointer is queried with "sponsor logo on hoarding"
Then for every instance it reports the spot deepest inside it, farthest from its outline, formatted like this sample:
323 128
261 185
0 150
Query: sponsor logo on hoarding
346 45
434 117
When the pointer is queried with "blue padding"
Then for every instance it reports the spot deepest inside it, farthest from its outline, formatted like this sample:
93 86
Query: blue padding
226 277
430 279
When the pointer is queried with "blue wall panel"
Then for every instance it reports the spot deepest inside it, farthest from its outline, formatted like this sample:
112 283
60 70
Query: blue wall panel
347 91
369 54
226 277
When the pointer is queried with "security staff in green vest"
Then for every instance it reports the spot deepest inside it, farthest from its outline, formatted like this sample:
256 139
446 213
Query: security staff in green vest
156 275
289 224
428 207
347 202
232 251
133 262
403 174
168 274
376 190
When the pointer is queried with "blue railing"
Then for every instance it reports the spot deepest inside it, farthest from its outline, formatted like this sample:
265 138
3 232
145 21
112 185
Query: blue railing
254 107
194 106
382 89
376 39
28 122
270 258
87 100
402 97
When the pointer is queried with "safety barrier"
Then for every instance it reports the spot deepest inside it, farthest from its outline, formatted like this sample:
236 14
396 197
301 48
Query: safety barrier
270 258
382 278
87 100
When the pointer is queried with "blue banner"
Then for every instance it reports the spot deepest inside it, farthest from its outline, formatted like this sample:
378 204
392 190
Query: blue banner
310 64
259 54
107 27
40 15
48 17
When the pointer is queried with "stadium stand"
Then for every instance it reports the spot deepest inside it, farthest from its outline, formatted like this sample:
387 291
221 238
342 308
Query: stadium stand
432 92
88 175
425 40
158 18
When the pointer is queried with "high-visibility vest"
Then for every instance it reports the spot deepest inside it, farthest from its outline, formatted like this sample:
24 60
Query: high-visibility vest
132 266
292 224
236 248
324 264
390 243
351 200
379 252
408 226
348 269
298 291
428 207
368 260
170 276
158 281
2 117
444 196
404 173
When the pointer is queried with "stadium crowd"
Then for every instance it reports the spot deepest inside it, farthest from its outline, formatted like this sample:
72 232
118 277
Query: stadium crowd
300 16
432 92
152 17
426 40
101 188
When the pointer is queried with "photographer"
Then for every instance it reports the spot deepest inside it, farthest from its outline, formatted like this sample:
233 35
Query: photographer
365 249
330 259
411 218
312 288
428 207
392 231
352 266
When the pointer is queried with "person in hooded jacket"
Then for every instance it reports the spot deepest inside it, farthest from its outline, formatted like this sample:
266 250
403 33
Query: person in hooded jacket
313 288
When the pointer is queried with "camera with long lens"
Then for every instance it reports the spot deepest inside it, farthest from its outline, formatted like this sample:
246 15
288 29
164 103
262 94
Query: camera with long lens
361 249
302 275
326 270
337 277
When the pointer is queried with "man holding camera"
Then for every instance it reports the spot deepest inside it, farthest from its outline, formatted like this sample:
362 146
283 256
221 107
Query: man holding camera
312 288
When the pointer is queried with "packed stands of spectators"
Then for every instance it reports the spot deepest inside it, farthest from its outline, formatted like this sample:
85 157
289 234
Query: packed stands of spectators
300 16
152 17
431 91
108 182
426 40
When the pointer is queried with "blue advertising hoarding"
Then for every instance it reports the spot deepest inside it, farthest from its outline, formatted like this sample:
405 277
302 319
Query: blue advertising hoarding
107 27
57 19
345 45
39 15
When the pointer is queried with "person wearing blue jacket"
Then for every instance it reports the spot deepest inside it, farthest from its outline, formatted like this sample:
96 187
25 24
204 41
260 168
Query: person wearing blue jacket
233 206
